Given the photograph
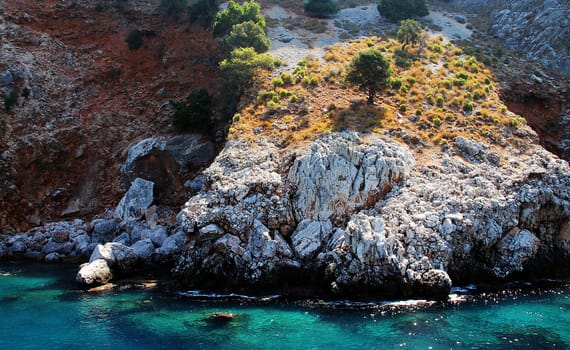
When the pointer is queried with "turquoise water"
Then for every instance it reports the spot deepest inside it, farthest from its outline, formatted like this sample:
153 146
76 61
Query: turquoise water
41 309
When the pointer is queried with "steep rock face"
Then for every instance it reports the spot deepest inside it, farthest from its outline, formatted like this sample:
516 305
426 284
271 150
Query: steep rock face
81 97
165 161
335 178
267 216
539 29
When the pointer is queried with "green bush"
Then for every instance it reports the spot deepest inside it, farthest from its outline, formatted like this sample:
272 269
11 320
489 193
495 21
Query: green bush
235 14
320 8
397 10
436 121
172 8
10 100
403 107
467 106
194 112
439 101
277 82
248 34
410 32
134 39
287 78
240 68
202 12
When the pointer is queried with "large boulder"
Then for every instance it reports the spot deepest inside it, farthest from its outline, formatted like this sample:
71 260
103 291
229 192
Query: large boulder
136 201
95 272
164 161
342 173
117 256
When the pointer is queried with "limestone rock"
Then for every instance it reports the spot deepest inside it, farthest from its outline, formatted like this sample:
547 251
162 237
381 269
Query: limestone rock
116 255
163 159
135 202
342 173
310 236
143 249
104 230
95 272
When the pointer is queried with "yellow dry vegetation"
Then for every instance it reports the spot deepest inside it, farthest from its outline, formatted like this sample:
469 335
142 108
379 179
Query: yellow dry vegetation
436 93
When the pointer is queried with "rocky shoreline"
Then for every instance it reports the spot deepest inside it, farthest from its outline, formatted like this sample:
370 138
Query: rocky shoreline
347 215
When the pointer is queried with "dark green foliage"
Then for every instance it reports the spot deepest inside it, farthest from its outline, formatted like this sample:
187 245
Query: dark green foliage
240 68
202 12
370 71
396 10
248 34
172 8
403 58
235 14
10 100
194 112
134 39
320 8
410 32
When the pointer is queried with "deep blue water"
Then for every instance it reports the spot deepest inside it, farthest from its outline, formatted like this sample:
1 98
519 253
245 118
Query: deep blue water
40 308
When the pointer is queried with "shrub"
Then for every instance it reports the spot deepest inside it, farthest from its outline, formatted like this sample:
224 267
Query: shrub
172 8
240 68
134 39
194 112
277 82
235 14
403 107
430 99
10 100
202 12
418 112
248 34
396 10
320 8
409 32
467 106
436 121
439 101
395 83
287 78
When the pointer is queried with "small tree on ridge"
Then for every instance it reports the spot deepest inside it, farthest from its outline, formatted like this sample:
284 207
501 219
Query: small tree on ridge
370 71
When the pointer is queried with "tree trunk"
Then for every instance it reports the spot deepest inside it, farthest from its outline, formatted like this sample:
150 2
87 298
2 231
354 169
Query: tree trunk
371 94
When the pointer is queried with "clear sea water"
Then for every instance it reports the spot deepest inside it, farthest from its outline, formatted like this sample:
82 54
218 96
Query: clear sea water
40 308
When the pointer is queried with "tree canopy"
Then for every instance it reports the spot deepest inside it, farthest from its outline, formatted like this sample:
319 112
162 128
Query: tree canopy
242 65
396 10
248 34
194 112
320 8
370 71
410 32
235 14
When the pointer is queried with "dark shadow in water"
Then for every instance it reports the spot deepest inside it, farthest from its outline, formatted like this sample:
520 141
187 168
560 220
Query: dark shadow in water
530 337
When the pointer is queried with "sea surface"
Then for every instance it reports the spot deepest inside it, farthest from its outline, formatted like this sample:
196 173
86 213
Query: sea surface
41 308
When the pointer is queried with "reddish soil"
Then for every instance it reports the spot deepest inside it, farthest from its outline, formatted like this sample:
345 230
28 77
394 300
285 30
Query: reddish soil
101 97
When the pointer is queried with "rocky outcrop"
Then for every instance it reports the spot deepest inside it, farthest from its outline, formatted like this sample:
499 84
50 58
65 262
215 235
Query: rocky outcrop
540 30
136 201
165 161
354 213
113 246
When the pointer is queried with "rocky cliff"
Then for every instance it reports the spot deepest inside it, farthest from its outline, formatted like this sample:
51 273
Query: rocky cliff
78 97
357 214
